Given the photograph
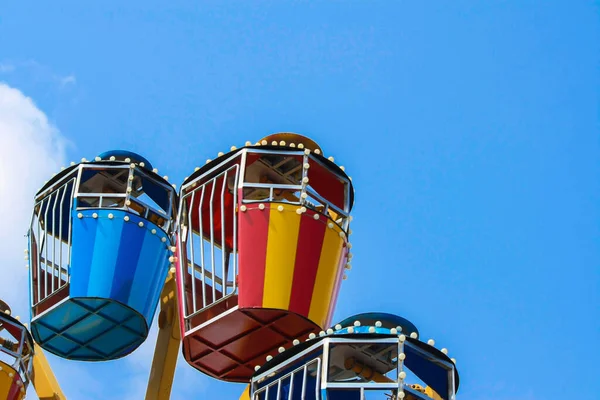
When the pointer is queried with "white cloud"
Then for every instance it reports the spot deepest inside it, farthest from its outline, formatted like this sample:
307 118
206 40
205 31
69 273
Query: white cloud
67 80
6 67
37 71
31 149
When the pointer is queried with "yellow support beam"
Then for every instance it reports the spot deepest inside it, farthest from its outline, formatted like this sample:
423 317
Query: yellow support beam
167 344
246 394
44 382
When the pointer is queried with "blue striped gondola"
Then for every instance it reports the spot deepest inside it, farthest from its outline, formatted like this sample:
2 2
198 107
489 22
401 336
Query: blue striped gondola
100 245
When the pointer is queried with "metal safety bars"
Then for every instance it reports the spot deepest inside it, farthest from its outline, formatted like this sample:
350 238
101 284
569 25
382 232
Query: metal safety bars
19 355
208 240
338 375
50 240
88 186
300 191
207 217
127 188
283 387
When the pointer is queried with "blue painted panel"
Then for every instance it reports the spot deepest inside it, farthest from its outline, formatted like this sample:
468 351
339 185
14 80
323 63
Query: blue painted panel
119 260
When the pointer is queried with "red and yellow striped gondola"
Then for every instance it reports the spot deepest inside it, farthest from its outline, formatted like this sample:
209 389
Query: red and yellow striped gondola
262 248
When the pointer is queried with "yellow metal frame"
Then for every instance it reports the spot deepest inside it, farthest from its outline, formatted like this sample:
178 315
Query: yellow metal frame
167 344
164 362
44 382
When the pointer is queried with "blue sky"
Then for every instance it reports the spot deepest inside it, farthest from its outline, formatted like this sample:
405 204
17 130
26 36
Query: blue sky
471 131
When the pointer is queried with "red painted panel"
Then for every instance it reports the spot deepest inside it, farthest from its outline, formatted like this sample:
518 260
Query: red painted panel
308 254
15 390
253 234
338 284
233 357
326 183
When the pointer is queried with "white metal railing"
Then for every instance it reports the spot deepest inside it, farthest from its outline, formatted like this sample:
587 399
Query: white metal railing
273 390
205 256
305 195
128 199
17 354
50 237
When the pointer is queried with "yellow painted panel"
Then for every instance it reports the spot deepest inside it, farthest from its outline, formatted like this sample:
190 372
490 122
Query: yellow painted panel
6 381
282 243
331 252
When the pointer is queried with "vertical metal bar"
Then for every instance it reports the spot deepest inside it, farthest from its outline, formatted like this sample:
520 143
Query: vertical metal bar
325 364
21 343
452 394
191 247
46 248
39 252
235 223
70 227
201 231
400 365
278 389
267 392
223 244
305 372
212 237
60 232
305 159
317 383
54 238
129 190
291 396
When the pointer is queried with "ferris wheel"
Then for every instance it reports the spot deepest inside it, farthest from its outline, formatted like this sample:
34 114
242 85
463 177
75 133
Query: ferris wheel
246 261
